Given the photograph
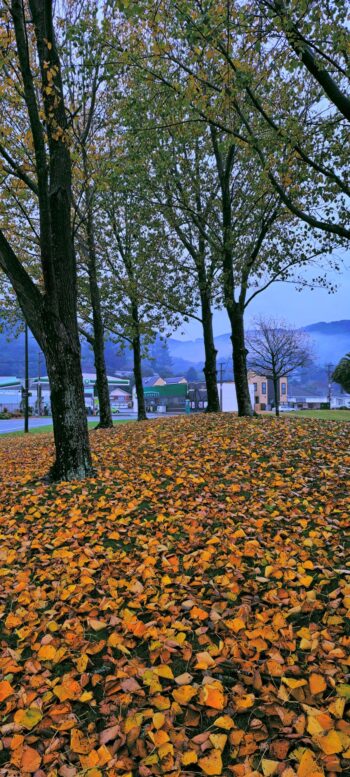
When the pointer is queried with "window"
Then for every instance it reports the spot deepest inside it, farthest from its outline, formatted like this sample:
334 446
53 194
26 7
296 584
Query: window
263 388
255 386
284 388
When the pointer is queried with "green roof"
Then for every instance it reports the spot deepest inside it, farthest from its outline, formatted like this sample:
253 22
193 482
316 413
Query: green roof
7 382
172 390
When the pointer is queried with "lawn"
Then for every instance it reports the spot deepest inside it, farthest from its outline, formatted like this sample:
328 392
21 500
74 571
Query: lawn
48 427
325 415
185 611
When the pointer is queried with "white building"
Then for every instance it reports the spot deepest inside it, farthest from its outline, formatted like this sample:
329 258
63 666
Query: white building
228 396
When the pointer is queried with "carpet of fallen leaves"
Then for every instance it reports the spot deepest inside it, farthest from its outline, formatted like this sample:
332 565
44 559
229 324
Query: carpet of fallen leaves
183 612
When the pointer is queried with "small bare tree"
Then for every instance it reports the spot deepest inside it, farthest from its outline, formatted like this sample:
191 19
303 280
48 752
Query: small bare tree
276 349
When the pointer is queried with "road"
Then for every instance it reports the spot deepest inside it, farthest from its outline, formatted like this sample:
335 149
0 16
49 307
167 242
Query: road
17 424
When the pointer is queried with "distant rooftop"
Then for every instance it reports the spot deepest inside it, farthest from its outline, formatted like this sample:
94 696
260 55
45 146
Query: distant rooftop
170 381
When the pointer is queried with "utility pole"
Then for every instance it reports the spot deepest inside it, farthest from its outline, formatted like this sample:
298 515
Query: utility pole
38 389
26 380
330 369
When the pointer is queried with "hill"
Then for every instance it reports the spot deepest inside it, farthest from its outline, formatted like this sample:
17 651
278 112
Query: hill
330 340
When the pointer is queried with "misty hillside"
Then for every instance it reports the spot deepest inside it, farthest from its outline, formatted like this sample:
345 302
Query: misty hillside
330 340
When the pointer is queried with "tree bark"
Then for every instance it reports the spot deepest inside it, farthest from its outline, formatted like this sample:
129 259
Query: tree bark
276 395
51 315
62 353
213 403
106 421
136 347
235 310
239 353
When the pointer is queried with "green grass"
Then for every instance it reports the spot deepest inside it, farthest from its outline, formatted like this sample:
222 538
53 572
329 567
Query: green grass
46 429
323 415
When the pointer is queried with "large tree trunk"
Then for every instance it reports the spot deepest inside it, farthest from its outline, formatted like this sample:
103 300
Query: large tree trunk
239 354
136 347
51 314
213 404
62 353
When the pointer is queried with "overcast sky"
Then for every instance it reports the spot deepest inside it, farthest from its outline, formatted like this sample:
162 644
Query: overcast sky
283 301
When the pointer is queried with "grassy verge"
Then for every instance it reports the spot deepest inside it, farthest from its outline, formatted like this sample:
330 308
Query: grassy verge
46 429
322 415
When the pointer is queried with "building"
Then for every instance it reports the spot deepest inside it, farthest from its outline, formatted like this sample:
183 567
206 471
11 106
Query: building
304 402
40 388
197 394
120 399
264 398
10 393
163 398
175 381
153 380
228 396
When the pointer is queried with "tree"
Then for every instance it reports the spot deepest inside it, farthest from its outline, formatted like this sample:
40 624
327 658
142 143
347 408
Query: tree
341 374
191 375
201 73
276 350
282 70
84 63
133 242
47 299
185 188
302 28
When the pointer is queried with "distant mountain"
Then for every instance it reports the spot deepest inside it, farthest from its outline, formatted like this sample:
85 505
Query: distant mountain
331 340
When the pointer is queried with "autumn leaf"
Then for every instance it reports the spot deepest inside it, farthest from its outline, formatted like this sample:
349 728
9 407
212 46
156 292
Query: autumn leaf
184 694
31 760
212 763
28 718
6 690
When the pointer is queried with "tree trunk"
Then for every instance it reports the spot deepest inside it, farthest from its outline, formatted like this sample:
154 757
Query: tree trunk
52 313
276 395
106 421
213 404
240 360
136 347
62 353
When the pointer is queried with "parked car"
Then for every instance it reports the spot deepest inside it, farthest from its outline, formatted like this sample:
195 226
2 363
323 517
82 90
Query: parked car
286 409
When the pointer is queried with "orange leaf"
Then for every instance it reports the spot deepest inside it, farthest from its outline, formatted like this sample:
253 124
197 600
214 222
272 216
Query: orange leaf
46 653
212 763
225 722
79 743
204 660
317 683
68 689
244 702
331 743
190 757
198 614
212 695
6 690
184 694
30 760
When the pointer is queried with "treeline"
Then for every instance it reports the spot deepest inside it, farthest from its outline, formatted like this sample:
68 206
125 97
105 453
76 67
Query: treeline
157 162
